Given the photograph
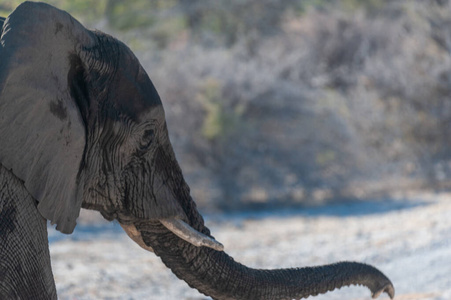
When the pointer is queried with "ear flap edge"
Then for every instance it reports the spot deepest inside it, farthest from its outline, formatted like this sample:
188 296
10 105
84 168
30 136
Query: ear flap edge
42 130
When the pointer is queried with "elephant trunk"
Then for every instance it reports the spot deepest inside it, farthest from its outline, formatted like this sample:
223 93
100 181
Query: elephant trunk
216 274
190 251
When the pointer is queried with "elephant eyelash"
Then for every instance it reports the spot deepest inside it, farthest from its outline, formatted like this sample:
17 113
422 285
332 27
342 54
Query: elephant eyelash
147 139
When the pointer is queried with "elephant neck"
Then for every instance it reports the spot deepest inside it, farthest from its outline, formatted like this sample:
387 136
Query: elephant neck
25 260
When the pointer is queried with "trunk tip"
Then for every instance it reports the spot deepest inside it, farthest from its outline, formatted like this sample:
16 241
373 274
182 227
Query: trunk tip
388 289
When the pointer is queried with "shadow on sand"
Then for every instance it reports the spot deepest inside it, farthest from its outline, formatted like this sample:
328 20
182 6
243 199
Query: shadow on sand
88 232
342 210
112 230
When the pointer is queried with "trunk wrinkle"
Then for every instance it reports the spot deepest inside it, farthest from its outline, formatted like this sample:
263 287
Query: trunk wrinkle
216 274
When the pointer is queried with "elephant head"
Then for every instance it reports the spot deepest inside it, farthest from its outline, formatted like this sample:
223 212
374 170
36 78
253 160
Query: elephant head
82 125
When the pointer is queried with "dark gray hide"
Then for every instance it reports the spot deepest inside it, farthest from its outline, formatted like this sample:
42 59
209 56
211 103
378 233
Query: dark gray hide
70 100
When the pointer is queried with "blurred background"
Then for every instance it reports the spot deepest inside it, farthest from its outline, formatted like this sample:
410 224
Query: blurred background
282 103
339 108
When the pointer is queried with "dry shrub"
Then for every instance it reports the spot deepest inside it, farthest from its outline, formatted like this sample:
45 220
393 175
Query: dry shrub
333 99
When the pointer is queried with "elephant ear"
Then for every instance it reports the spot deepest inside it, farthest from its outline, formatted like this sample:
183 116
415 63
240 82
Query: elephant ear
42 134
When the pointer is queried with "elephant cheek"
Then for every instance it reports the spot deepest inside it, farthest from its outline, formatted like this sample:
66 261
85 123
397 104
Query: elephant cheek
150 197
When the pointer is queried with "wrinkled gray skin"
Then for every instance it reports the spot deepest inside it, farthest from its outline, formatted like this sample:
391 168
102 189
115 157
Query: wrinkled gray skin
81 125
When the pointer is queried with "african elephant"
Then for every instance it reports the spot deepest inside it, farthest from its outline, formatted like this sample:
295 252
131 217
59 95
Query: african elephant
82 125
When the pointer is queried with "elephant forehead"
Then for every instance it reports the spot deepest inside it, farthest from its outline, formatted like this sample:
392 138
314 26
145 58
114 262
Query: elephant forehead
154 114
133 93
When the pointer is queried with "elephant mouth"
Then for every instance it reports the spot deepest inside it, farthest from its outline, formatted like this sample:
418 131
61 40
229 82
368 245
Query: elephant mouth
176 226
135 235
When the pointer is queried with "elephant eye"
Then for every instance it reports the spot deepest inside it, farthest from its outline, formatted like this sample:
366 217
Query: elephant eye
147 139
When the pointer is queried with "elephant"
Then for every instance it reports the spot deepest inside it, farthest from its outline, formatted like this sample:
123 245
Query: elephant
82 126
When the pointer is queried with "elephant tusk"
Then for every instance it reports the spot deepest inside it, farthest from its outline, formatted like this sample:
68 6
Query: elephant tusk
189 234
135 235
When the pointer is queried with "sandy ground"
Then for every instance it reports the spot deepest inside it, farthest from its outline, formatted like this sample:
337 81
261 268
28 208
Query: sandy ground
408 238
